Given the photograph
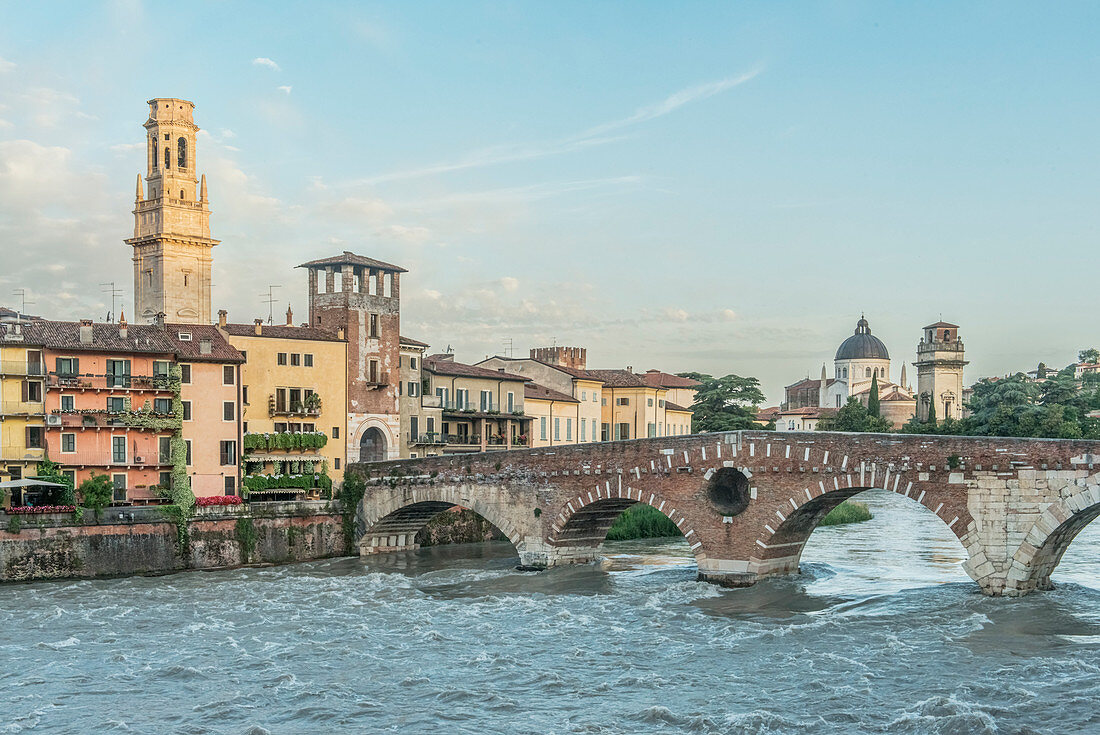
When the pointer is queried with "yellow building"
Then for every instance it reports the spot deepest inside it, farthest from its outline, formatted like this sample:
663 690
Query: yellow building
555 416
421 414
22 407
294 396
481 409
633 409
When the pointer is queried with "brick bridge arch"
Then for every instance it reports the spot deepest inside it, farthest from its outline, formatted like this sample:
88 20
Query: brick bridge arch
555 504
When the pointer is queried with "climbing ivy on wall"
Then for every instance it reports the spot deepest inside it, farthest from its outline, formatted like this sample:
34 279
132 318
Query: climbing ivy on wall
285 440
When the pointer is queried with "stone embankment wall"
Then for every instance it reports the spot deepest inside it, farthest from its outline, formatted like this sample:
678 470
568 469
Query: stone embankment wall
148 541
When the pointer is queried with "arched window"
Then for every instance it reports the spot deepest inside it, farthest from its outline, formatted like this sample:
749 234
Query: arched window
867 372
181 153
167 158
845 373
181 194
156 152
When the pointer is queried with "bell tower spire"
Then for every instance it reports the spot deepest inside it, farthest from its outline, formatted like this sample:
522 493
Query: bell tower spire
171 243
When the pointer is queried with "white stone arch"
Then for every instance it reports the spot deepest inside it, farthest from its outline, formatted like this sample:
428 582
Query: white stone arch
355 436
1048 538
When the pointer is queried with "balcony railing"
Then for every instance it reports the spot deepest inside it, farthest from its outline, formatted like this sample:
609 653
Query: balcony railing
106 459
379 379
427 437
20 367
94 419
276 407
111 382
470 407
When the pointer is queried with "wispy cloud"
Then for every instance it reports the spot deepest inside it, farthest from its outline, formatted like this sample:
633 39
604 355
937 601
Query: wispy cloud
285 88
5 65
264 61
594 136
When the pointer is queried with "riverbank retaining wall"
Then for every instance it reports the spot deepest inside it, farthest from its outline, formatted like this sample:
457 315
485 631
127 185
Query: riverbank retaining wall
130 541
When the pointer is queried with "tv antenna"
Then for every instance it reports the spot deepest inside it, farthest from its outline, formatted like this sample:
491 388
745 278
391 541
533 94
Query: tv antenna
507 342
22 294
115 293
270 301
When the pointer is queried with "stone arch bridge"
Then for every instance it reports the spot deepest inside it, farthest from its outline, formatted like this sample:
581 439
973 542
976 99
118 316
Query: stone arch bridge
748 501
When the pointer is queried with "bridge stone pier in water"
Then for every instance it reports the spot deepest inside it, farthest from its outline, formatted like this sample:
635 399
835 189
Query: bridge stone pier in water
748 501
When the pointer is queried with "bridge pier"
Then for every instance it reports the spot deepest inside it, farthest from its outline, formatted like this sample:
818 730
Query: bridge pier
374 544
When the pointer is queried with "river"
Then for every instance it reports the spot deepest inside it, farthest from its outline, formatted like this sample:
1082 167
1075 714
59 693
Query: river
882 633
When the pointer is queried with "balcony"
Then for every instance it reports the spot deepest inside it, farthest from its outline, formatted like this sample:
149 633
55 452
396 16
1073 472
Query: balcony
106 459
112 382
282 406
18 367
104 419
427 437
378 380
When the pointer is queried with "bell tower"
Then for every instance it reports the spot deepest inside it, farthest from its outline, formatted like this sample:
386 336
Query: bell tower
172 244
940 363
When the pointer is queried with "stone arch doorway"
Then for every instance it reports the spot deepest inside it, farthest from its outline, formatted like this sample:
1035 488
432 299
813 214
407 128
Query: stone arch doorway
372 447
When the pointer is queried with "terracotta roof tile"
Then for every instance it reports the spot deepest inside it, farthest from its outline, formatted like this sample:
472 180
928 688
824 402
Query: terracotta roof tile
669 405
191 350
541 392
658 379
277 331
619 379
440 366
413 342
147 338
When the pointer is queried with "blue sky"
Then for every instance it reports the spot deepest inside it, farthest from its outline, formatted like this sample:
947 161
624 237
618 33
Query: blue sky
720 187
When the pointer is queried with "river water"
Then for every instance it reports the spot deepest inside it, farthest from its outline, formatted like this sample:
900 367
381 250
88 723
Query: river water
882 633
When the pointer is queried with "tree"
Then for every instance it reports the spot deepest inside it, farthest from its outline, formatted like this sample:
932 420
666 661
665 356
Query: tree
51 472
873 408
97 492
1090 355
853 416
728 403
931 411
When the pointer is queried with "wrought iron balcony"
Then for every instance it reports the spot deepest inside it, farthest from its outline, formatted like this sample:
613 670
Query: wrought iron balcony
88 381
427 437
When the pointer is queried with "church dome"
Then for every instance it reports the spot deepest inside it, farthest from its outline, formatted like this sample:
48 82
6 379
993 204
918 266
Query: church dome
862 345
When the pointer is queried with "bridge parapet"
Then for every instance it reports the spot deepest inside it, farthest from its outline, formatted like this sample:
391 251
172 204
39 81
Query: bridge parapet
748 501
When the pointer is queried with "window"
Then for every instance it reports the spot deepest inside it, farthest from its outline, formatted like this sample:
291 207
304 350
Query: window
116 404
164 450
118 373
167 157
229 411
867 372
230 485
118 449
309 427
486 400
185 336
156 152
557 429
181 153
186 410
185 374
335 432
229 375
307 360
68 366
651 430
462 398
244 394
372 370
71 475
185 279
511 402
228 453
594 397
295 359
187 461
584 430
623 431
373 326
160 368
622 401
280 427
414 427
335 463
661 403
280 359
68 443
605 432
32 391
569 430
68 403
584 395
412 363
162 405
118 482
649 402
542 428
414 389
603 401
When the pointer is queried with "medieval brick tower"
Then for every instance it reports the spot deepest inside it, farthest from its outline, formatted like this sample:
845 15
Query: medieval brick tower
940 366
171 242
362 296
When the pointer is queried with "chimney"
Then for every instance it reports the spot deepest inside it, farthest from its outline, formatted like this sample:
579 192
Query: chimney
122 325
205 346
158 320
85 331
289 316
259 325
630 368
340 333
223 317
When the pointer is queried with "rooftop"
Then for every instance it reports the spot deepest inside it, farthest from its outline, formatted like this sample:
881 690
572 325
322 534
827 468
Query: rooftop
282 331
106 337
659 379
191 349
350 258
441 364
534 391
619 378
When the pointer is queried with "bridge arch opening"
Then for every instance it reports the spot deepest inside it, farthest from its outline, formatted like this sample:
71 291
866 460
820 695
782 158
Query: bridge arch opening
905 542
400 526
583 528
1050 549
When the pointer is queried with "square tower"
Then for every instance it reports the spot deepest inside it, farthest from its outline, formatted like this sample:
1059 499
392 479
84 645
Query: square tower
362 296
172 244
940 363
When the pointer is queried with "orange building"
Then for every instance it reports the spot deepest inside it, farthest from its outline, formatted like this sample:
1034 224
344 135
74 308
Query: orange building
109 403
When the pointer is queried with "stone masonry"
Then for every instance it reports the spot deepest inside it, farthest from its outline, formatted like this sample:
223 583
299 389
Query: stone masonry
748 501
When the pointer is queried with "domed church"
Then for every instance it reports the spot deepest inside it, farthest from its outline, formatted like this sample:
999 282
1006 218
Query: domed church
859 359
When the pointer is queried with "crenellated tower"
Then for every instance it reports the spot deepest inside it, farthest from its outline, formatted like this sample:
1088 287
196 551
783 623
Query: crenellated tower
172 244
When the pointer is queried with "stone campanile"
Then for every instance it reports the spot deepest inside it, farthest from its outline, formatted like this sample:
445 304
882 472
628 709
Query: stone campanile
171 242
940 363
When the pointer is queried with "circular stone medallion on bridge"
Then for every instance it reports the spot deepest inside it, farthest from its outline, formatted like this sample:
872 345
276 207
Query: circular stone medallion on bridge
728 491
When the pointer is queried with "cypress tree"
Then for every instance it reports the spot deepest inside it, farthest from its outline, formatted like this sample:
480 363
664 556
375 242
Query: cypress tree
872 400
932 412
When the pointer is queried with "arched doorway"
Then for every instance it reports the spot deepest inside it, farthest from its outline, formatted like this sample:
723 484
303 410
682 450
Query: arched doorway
372 447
